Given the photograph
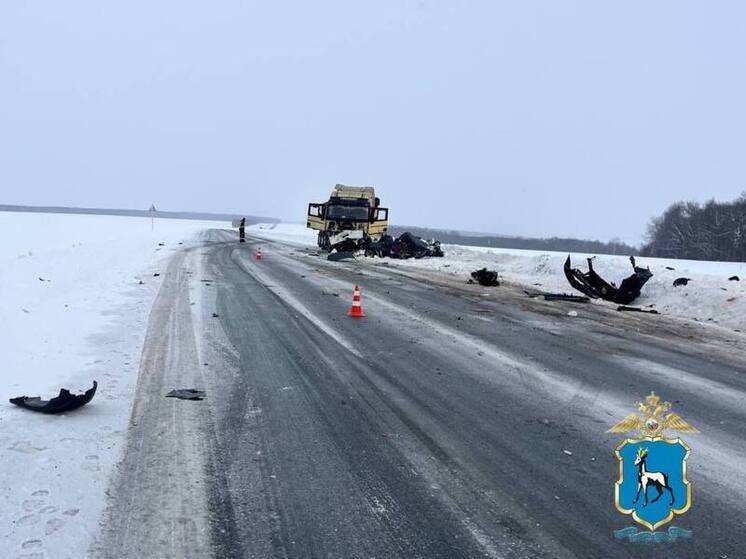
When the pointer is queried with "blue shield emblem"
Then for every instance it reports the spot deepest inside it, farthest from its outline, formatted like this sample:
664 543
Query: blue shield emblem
652 484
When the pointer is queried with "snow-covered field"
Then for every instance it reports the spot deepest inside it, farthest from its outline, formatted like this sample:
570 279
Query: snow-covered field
73 310
708 298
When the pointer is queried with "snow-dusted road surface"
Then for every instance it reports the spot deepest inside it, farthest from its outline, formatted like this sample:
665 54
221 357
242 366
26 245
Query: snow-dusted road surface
453 421
709 297
75 295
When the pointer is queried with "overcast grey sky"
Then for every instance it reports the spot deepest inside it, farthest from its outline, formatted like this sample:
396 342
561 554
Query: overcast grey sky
530 118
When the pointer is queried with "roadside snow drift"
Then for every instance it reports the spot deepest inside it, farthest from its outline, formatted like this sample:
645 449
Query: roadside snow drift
73 310
708 298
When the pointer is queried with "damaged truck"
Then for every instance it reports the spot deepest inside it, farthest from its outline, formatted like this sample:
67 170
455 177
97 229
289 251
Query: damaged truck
351 219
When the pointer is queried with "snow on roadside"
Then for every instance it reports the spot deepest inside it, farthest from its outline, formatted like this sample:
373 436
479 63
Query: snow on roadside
73 310
294 233
709 297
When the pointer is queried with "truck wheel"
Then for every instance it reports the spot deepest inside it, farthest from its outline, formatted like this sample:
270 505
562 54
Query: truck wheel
324 241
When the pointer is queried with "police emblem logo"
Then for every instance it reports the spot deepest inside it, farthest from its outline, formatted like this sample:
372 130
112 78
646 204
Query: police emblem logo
652 486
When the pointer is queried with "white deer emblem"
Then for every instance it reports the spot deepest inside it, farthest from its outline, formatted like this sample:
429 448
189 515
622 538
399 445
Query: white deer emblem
659 480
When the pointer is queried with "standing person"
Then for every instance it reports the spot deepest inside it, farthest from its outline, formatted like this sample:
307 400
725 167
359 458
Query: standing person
242 230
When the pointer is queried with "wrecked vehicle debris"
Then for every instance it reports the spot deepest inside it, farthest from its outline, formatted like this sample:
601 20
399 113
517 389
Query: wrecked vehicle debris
557 296
565 297
340 255
593 285
485 277
681 281
412 246
380 247
63 402
624 308
405 246
187 394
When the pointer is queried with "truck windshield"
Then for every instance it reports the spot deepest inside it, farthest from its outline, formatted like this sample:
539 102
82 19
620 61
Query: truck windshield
355 213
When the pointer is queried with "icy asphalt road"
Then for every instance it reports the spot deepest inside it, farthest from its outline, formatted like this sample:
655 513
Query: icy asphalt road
436 427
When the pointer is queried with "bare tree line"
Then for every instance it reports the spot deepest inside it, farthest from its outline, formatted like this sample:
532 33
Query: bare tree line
710 231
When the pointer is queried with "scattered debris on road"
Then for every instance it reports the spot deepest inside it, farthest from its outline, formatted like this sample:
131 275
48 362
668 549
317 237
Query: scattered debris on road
485 277
625 308
593 285
678 282
62 403
566 297
340 255
187 394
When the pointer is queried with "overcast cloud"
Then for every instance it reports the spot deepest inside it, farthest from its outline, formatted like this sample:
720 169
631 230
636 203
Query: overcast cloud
530 118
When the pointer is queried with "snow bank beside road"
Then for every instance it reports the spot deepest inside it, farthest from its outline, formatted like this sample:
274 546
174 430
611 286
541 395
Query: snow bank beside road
709 297
72 310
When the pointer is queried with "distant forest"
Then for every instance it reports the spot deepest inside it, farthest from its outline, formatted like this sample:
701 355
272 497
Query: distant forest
498 241
711 231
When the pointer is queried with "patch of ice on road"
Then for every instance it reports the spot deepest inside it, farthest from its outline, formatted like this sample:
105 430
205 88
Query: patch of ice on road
85 321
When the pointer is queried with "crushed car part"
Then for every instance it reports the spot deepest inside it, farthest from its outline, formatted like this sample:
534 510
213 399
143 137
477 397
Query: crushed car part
340 255
412 246
558 296
187 394
566 297
625 308
485 277
681 281
62 403
380 247
593 285
407 245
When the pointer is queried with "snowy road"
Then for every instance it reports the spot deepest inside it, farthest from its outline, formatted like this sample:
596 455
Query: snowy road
453 421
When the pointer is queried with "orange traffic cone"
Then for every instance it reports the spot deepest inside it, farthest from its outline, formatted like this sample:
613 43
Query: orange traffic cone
356 310
258 253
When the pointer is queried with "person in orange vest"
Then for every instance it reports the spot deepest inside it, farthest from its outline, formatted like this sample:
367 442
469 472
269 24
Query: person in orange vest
242 230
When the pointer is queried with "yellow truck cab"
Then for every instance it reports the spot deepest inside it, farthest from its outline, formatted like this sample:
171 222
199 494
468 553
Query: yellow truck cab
350 217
